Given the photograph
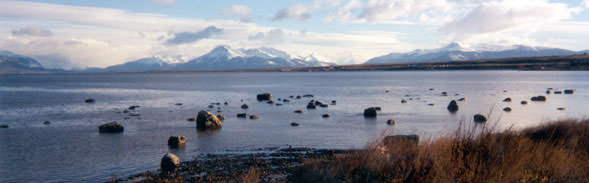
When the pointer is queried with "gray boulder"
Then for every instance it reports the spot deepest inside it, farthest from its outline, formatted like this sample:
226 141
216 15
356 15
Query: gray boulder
453 106
170 163
176 141
479 118
370 112
112 127
264 96
207 120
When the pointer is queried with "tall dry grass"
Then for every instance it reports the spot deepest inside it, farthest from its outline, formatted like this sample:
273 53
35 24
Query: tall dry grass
553 152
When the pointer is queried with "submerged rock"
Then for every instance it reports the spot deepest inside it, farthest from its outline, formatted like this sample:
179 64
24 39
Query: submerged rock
479 118
112 127
264 96
4 126
561 108
569 91
90 100
207 120
294 124
539 98
254 117
453 106
244 106
170 163
298 111
47 122
311 105
242 115
524 102
325 115
403 101
557 92
462 99
176 141
370 112
390 122
507 109
308 95
507 99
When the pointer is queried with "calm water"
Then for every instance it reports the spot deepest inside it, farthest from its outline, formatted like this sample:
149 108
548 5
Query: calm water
72 150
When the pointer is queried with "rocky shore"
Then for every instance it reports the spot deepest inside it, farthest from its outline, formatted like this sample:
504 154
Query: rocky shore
263 165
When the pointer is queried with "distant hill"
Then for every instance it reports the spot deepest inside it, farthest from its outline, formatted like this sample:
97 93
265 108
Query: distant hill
14 63
458 52
146 64
222 58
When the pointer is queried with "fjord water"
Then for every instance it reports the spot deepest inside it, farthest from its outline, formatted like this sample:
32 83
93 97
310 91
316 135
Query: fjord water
70 149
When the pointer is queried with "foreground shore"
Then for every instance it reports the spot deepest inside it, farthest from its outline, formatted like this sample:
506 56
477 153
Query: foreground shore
554 152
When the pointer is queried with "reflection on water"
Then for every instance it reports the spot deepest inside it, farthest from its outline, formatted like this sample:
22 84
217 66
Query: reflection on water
71 149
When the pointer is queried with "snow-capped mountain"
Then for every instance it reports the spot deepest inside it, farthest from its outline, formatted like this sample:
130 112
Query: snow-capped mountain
147 64
457 52
14 63
225 58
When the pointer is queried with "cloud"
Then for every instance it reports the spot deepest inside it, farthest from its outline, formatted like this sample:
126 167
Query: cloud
274 36
32 31
498 16
237 11
164 2
191 37
585 3
390 10
297 12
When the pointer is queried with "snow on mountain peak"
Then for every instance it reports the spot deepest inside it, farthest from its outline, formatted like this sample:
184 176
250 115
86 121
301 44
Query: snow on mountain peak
225 51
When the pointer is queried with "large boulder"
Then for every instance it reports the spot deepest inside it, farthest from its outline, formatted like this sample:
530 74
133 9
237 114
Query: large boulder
479 118
401 139
207 120
264 96
176 141
170 163
370 112
453 106
112 127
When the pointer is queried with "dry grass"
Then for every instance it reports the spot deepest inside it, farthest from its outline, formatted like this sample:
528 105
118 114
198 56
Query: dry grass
554 152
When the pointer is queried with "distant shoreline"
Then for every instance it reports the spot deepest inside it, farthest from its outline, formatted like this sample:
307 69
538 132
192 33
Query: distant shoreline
552 63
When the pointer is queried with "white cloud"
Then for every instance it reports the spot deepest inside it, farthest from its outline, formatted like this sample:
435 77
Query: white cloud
296 12
237 11
503 19
585 3
191 37
390 10
274 36
32 31
164 2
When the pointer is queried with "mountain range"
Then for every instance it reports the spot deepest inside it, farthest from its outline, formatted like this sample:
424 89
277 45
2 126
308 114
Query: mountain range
14 63
457 52
223 58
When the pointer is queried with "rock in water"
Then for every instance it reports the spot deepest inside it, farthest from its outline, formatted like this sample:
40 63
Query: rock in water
370 112
569 91
176 141
244 106
539 98
170 163
478 118
264 96
3 126
507 99
242 115
507 109
453 106
294 124
311 105
254 117
221 117
299 111
325 116
207 120
90 100
390 122
112 127
524 102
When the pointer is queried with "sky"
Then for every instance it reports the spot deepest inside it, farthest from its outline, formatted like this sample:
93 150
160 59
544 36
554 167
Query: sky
77 34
